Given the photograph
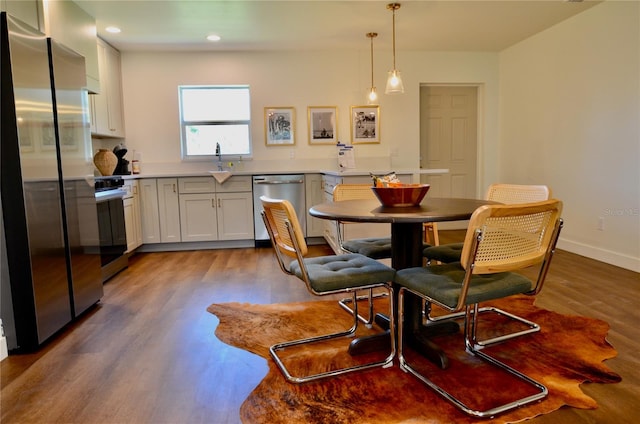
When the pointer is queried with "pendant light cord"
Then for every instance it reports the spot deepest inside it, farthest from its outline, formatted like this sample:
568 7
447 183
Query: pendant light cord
371 35
394 38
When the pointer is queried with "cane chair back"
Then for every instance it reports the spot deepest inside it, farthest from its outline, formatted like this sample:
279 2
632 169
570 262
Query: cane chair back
517 193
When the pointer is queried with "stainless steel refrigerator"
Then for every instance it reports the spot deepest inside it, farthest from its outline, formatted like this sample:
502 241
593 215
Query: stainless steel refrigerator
51 262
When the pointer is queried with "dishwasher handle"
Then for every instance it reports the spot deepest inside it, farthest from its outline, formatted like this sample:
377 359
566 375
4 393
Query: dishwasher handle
278 182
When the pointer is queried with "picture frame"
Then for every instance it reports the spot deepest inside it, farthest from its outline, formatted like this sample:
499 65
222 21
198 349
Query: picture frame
365 124
322 124
279 126
47 136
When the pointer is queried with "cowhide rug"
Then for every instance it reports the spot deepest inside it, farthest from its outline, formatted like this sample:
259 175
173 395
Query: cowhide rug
568 351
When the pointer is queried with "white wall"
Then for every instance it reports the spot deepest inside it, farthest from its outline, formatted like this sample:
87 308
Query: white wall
299 79
570 118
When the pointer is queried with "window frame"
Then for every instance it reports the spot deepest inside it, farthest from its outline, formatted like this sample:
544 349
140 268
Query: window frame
185 123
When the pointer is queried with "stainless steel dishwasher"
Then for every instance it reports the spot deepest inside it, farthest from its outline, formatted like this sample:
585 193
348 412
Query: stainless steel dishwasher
289 187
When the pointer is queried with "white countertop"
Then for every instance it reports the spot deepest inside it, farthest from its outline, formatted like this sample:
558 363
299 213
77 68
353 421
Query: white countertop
346 173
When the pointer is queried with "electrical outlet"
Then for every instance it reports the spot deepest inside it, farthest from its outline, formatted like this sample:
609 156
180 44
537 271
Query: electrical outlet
600 223
292 154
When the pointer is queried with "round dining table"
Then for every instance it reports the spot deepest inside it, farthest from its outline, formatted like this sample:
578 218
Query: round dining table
406 252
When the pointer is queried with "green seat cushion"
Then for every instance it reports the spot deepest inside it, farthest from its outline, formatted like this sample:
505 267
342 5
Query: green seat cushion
445 253
376 248
443 283
339 272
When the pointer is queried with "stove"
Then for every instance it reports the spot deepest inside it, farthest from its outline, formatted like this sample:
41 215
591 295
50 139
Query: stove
111 224
108 183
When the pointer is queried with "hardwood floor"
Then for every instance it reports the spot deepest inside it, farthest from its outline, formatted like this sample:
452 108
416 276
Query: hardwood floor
147 353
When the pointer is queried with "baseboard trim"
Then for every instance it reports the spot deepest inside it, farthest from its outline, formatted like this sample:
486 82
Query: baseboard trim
602 255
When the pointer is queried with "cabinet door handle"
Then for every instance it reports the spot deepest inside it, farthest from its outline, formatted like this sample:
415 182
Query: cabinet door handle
219 205
213 203
174 188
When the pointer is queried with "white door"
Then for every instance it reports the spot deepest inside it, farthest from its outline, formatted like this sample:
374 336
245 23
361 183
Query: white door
448 139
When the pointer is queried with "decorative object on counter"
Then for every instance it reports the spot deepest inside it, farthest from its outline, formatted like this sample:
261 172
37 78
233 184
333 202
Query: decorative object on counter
322 124
279 126
401 195
346 159
372 97
106 161
122 168
135 163
365 124
394 82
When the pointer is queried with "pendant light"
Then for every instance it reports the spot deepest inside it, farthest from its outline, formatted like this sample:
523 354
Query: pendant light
394 81
372 97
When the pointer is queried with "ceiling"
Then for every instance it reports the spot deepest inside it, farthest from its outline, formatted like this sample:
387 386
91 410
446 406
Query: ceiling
435 25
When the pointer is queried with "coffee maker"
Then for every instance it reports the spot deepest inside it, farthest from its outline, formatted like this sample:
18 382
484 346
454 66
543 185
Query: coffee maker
122 168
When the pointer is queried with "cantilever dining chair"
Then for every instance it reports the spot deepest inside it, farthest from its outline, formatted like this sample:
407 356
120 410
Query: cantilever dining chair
322 275
449 253
500 240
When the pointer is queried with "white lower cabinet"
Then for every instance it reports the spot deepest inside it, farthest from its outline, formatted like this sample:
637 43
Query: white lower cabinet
198 217
149 211
210 211
132 218
314 196
168 210
235 216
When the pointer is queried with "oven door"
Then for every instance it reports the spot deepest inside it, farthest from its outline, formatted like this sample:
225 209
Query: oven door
113 238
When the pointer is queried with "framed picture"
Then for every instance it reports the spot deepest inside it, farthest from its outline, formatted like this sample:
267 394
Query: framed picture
48 136
279 126
365 124
322 124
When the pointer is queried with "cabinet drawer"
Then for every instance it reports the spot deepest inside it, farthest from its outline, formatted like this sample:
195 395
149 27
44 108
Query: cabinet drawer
237 183
131 188
196 185
329 182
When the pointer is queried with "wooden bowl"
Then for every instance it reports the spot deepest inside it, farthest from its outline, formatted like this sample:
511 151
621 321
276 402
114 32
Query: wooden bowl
405 195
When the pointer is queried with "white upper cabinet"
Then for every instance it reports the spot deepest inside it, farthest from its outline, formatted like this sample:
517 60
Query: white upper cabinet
68 24
28 11
106 108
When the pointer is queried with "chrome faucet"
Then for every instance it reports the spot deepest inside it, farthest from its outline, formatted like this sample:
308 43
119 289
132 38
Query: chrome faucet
219 155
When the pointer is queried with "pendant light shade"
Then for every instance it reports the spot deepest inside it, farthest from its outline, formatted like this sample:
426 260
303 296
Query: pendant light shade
394 80
372 96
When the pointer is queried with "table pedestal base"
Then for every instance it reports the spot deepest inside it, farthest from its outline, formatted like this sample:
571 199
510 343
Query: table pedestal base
418 340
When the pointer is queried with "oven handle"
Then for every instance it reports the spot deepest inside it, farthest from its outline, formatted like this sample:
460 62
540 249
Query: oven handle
278 182
103 196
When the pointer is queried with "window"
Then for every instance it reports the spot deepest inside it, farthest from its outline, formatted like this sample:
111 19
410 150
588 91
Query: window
211 115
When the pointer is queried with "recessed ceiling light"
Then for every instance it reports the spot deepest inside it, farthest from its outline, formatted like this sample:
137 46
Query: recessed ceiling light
213 37
113 30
